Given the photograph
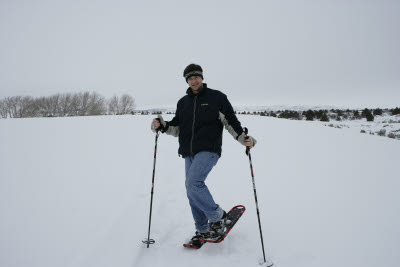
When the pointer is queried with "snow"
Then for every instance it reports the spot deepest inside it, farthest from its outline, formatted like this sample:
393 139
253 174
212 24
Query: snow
386 123
76 192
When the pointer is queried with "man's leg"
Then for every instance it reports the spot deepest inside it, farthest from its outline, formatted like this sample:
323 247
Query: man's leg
201 202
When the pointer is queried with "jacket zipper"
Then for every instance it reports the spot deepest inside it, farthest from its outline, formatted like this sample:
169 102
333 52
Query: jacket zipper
194 118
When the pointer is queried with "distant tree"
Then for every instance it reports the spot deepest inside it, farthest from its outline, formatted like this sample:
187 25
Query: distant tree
11 106
365 112
378 112
113 105
396 111
3 109
310 115
290 114
96 105
356 114
319 113
324 117
369 116
127 104
60 105
28 107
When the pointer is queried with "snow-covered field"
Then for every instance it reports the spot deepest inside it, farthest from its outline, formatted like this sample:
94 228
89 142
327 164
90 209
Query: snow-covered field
76 192
386 125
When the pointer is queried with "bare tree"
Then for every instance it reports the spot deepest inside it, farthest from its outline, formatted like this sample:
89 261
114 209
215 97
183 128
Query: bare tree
127 104
55 105
44 106
75 105
83 103
113 106
78 104
65 105
27 107
96 105
13 106
3 109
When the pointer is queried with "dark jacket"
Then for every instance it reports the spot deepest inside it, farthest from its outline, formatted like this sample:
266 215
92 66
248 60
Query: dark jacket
200 120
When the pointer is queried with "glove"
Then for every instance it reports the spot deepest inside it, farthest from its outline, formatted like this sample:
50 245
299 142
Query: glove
162 124
242 139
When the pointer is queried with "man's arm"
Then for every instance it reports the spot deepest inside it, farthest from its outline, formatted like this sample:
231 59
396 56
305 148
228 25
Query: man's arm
168 127
229 119
232 124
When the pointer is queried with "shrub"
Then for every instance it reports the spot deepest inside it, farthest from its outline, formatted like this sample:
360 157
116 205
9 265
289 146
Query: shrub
378 112
362 131
381 132
356 115
396 111
324 117
310 115
370 117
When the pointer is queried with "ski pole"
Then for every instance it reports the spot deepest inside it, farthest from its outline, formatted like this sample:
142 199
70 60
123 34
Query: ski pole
152 241
255 197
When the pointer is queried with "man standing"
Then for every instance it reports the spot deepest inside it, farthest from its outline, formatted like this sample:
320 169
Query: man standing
199 120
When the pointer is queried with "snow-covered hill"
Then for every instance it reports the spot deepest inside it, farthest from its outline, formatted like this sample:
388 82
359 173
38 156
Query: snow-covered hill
76 191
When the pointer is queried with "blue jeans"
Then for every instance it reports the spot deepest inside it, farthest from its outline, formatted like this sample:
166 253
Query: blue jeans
201 202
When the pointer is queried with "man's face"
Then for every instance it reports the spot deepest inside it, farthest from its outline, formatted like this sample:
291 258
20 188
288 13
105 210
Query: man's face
195 82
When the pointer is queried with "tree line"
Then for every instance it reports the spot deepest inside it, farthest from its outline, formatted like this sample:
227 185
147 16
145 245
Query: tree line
63 105
327 115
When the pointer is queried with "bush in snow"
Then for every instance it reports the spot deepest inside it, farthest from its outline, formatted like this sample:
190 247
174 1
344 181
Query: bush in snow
324 117
310 115
381 132
378 112
396 111
356 115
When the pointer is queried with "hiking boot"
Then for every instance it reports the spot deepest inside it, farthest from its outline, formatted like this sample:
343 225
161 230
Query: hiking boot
218 228
198 239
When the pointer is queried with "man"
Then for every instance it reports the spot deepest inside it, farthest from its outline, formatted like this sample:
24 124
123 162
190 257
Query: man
199 120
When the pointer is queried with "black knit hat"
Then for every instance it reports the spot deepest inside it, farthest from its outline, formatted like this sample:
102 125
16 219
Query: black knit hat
192 70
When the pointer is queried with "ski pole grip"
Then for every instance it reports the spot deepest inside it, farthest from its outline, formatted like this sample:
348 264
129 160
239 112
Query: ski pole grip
246 131
160 127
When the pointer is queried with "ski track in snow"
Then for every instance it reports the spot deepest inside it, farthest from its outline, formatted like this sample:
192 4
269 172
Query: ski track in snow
76 192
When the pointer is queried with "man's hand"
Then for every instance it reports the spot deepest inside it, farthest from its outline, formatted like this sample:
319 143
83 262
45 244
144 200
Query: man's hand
246 140
156 124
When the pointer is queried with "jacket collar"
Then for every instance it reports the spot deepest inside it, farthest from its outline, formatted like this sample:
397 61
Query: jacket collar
201 91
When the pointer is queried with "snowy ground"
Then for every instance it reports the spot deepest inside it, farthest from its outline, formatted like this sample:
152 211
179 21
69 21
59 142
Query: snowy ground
386 125
76 191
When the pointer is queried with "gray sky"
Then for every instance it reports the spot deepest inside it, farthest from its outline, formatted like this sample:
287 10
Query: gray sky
315 52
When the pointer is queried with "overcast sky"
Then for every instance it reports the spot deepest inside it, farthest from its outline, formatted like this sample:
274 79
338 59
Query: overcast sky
264 52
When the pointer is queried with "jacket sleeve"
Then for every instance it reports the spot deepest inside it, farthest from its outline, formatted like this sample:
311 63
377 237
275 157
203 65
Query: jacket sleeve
229 119
172 126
